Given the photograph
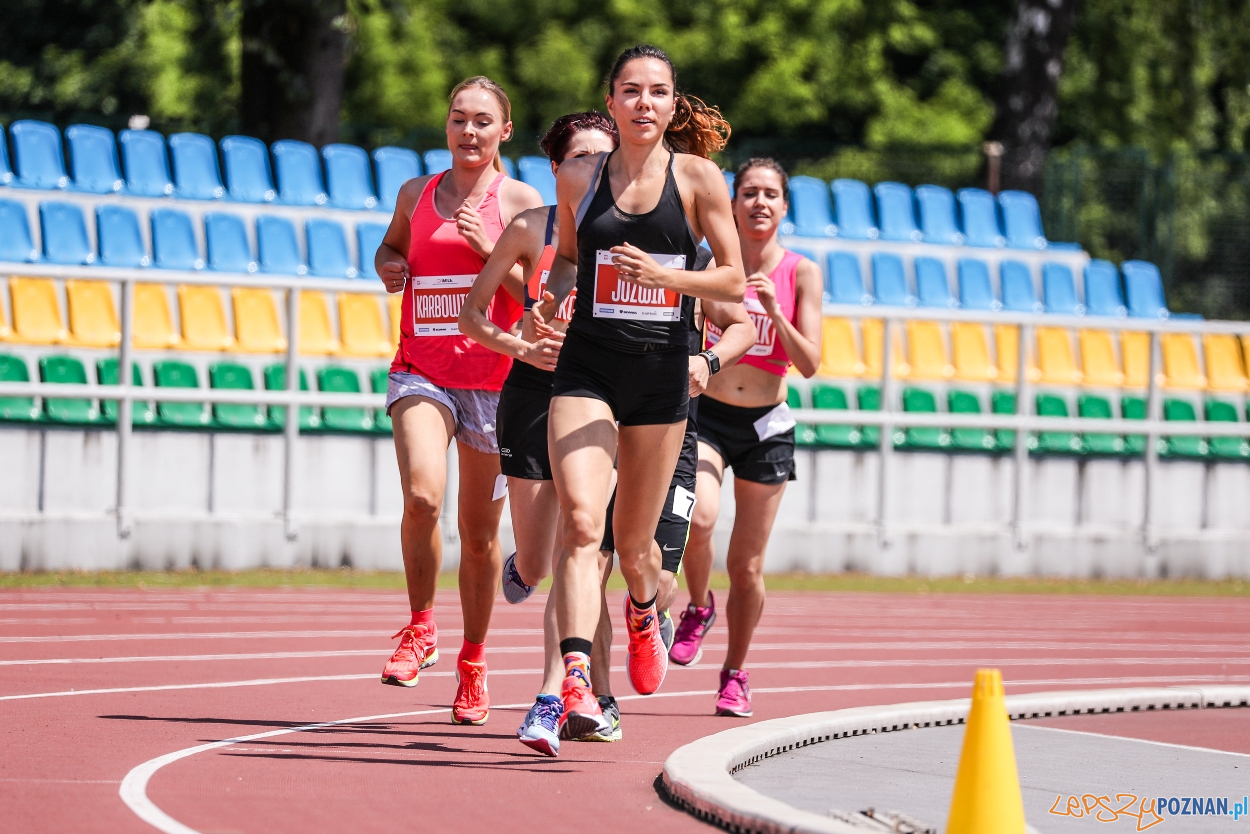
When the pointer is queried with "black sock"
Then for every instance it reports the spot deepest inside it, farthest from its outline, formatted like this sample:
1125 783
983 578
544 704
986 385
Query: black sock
575 644
643 606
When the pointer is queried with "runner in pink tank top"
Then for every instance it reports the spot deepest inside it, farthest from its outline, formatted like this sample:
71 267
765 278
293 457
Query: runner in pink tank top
445 385
745 424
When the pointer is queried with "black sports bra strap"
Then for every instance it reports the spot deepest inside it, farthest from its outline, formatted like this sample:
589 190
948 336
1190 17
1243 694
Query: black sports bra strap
551 225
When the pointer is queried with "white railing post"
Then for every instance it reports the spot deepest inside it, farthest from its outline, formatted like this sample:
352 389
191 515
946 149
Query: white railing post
125 407
1024 335
1154 402
290 437
887 433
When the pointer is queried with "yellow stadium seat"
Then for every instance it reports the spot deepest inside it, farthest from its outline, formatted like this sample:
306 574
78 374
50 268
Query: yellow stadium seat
1098 362
394 306
1135 351
926 352
838 355
1180 362
153 322
361 327
36 312
5 331
1007 354
257 328
1054 357
872 331
203 318
92 315
1225 369
971 353
316 334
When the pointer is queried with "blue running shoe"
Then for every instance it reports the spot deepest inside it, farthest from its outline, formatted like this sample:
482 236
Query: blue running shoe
540 729
514 590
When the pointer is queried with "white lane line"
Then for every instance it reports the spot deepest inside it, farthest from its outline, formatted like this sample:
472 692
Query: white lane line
237 635
1138 740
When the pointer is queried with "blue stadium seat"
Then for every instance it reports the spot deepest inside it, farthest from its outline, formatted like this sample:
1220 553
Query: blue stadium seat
889 281
844 284
327 250
299 174
347 177
980 218
93 152
1019 294
852 202
37 155
173 241
509 167
395 167
228 249
975 290
810 209
65 238
536 171
937 215
248 178
368 239
1059 290
896 212
197 176
1143 286
147 165
1102 290
436 160
729 181
278 248
1022 220
6 170
932 287
16 244
121 242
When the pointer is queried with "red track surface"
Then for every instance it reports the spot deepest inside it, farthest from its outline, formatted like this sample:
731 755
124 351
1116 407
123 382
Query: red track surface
62 758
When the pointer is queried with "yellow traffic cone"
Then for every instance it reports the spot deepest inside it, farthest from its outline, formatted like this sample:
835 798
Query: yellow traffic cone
987 787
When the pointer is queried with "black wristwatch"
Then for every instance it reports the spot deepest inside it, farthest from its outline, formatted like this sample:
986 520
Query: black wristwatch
713 361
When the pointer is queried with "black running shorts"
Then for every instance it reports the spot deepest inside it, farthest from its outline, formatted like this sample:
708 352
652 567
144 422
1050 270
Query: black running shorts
672 531
648 388
521 426
730 430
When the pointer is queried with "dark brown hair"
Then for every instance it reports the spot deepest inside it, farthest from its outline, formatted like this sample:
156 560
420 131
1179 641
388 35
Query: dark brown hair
494 89
695 128
768 163
555 142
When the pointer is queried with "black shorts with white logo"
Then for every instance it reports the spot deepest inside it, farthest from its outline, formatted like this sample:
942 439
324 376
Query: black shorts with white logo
730 431
521 424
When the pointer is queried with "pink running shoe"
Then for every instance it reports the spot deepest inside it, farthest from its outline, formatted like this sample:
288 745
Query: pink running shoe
734 698
416 651
695 622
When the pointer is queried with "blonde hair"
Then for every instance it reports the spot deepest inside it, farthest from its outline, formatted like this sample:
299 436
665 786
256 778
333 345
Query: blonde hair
484 83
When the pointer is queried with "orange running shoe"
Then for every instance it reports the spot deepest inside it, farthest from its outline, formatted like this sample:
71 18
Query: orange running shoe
646 662
582 716
416 652
472 704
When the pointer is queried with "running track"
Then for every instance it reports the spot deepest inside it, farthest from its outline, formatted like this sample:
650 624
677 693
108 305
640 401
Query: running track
95 683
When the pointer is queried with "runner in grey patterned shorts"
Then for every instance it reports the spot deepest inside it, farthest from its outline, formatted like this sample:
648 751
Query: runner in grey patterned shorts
473 410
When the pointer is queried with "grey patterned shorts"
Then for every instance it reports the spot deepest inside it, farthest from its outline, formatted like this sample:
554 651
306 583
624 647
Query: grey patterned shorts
472 410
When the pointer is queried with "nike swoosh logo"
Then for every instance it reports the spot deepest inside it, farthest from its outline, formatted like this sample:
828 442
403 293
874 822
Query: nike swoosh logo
667 549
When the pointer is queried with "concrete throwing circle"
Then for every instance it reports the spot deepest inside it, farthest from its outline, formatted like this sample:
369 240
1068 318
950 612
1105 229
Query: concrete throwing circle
781 775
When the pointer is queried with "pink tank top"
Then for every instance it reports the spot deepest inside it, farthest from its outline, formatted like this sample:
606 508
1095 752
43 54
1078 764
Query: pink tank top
442 267
768 353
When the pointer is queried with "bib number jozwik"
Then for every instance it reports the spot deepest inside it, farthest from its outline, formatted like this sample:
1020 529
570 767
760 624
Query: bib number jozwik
616 298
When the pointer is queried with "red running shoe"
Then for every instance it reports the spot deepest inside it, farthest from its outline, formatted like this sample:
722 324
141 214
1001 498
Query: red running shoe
416 652
646 661
472 704
582 716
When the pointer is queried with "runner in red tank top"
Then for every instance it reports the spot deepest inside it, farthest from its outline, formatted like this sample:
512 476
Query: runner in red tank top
745 424
445 385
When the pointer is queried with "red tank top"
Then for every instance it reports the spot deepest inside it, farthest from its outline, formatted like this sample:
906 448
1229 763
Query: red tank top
768 350
442 267
537 283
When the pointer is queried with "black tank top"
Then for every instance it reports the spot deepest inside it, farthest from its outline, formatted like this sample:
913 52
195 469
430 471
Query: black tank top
618 313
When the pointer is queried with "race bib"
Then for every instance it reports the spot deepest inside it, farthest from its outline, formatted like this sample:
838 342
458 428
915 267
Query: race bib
775 422
538 285
436 303
616 298
765 333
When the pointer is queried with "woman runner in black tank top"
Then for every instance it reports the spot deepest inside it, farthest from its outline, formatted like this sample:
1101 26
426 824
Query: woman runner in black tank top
635 218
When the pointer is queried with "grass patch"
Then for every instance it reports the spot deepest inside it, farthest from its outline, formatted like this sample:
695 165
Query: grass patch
843 582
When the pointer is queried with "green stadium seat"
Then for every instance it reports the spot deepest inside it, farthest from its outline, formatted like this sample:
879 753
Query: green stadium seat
21 409
232 376
1219 411
869 399
1004 402
804 435
275 380
979 440
1187 446
173 373
920 401
1134 408
141 413
1055 442
379 380
66 370
831 397
1094 407
342 381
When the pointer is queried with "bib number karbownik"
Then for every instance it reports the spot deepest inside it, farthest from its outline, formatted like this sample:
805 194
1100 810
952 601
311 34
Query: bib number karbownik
436 303
616 298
